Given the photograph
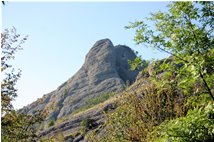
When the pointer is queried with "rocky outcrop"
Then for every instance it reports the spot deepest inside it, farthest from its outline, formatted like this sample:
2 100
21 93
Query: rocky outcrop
105 70
71 128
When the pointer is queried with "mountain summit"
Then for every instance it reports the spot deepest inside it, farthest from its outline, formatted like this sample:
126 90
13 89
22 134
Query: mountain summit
105 70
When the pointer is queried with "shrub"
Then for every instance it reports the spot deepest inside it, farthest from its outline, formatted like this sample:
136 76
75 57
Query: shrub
87 124
51 123
59 137
94 101
198 125
139 113
101 98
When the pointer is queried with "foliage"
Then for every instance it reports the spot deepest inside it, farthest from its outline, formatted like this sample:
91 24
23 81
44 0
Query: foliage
59 137
137 64
185 32
198 125
137 114
16 126
94 101
19 127
101 98
87 124
10 44
50 123
141 111
177 85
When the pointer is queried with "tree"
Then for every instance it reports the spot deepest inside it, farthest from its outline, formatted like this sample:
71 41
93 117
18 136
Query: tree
15 126
186 33
10 44
171 104
19 126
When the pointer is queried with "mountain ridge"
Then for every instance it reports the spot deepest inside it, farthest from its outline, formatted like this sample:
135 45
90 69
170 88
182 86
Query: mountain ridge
105 70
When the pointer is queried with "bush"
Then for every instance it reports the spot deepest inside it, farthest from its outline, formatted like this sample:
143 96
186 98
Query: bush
94 101
59 137
139 113
198 125
51 123
101 98
87 124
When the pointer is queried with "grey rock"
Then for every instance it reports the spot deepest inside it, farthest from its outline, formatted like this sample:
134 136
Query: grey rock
105 70
70 139
78 138
110 106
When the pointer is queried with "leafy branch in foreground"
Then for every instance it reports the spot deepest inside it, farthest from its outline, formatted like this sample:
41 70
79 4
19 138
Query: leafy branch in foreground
10 44
186 33
175 101
15 126
198 125
19 127
138 64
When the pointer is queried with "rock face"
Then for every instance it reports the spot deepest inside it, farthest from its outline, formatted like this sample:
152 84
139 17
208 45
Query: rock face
105 70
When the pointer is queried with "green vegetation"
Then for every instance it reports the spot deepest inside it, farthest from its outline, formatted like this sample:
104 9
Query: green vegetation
59 137
15 126
94 101
186 33
87 124
19 127
176 103
137 64
138 113
10 44
197 125
101 98
51 123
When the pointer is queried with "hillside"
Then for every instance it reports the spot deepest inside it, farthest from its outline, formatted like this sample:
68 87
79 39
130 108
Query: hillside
116 96
119 112
105 70
96 104
72 128
134 112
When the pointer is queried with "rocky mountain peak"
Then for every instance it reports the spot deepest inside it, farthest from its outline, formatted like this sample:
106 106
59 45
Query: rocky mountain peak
105 70
100 43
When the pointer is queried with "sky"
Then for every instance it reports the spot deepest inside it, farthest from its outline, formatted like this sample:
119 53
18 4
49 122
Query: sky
62 33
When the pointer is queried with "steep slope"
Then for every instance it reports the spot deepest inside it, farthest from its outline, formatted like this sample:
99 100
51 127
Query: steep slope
71 127
105 70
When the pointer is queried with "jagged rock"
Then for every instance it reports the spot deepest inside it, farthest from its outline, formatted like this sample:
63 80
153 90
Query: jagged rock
105 70
78 138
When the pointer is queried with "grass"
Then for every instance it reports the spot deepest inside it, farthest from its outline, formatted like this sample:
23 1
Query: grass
94 101
92 104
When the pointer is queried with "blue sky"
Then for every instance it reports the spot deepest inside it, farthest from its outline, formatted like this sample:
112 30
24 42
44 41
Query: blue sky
62 33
